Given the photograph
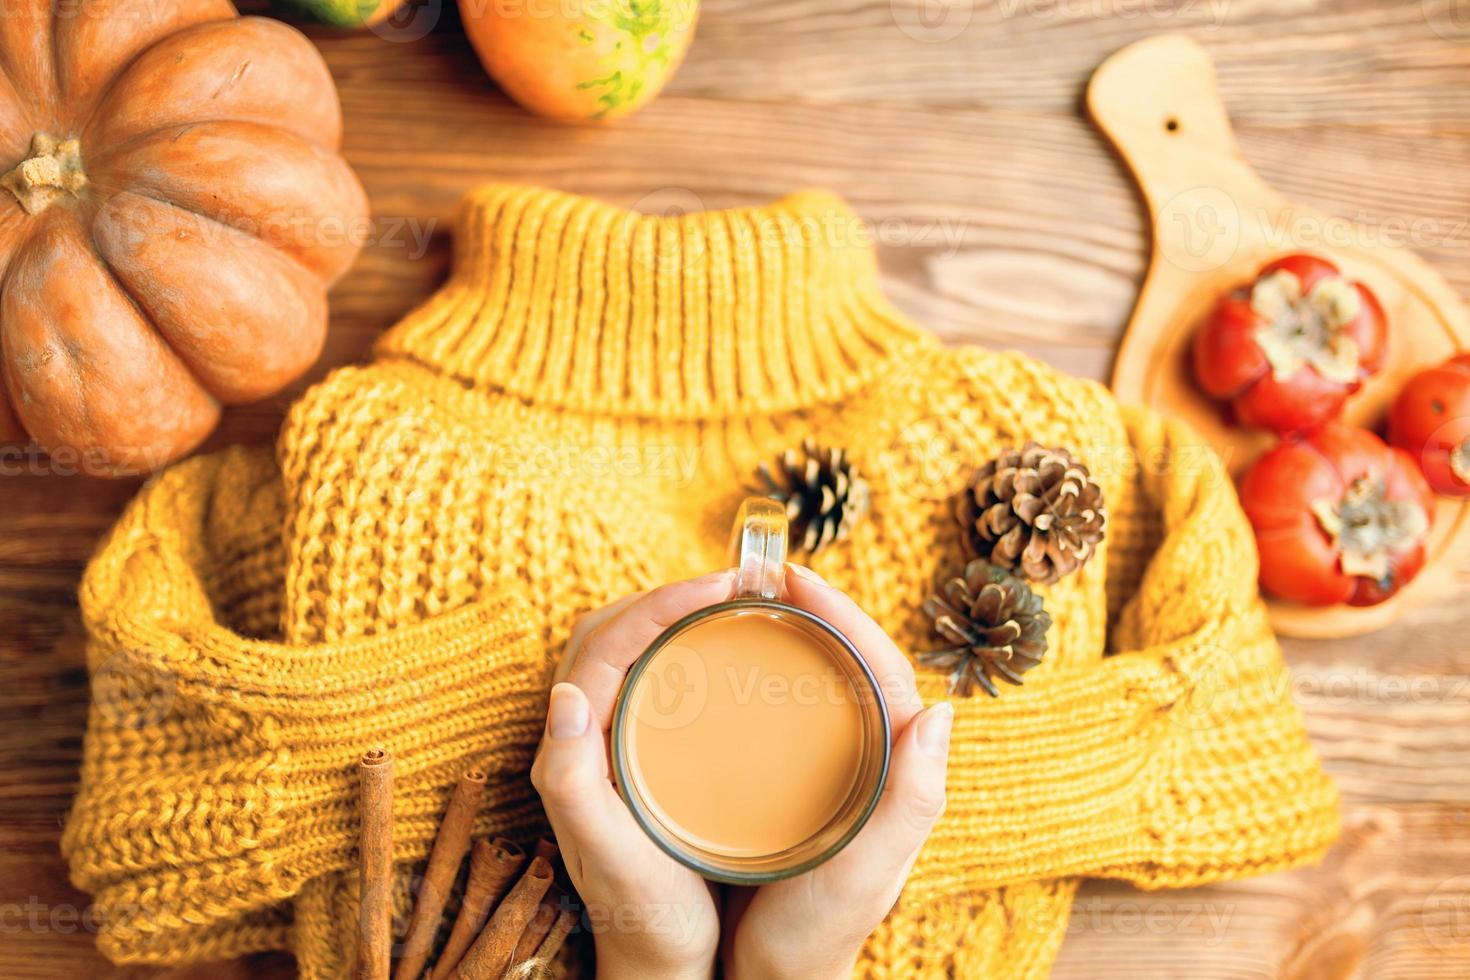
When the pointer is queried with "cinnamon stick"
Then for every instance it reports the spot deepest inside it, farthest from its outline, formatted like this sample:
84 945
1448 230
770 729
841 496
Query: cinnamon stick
490 955
545 916
493 866
548 851
566 921
450 845
538 928
538 963
375 868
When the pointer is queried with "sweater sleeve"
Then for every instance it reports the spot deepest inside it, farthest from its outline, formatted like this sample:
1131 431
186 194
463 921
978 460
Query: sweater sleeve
218 774
1178 758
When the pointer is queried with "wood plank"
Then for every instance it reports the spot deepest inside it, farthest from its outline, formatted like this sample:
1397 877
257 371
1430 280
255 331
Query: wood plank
1281 64
1389 902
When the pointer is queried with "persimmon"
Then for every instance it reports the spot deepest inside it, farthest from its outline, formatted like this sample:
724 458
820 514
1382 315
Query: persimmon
1339 517
1430 420
1287 349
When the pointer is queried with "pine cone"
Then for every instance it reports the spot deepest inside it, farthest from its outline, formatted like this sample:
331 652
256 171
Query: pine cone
823 497
1034 508
998 626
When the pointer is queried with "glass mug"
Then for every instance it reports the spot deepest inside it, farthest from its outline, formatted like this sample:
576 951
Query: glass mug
751 740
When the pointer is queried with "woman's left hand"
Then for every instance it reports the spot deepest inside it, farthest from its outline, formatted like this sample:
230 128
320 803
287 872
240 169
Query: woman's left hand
651 917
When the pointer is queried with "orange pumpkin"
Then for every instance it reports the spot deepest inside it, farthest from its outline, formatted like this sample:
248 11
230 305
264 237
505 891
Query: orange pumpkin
173 210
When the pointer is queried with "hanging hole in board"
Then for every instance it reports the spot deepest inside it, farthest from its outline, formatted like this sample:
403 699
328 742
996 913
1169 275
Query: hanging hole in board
1171 124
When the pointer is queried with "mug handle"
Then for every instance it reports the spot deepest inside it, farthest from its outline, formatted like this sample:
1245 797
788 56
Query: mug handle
758 549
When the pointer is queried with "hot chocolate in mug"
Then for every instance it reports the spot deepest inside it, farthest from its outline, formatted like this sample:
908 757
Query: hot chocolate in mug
751 739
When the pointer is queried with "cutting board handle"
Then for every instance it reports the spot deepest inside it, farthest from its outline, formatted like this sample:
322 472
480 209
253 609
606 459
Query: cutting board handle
1159 103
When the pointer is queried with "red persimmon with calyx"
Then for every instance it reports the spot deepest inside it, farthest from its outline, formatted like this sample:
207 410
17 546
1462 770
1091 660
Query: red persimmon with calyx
1339 516
1430 420
1289 348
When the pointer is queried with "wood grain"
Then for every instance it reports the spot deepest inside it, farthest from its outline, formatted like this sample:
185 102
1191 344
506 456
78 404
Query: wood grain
1005 220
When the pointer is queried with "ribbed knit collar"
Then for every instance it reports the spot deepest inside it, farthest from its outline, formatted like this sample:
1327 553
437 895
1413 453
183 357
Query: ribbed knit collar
565 300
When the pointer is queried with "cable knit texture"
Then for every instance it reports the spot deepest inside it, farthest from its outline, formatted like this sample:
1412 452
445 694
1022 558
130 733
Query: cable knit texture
571 418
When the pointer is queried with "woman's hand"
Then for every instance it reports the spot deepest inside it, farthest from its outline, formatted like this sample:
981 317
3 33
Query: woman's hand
651 917
814 925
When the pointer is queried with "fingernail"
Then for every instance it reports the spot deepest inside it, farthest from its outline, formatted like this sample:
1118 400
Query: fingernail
934 729
723 575
568 713
806 573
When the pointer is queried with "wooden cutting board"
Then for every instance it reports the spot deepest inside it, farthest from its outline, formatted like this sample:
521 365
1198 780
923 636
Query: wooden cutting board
1215 223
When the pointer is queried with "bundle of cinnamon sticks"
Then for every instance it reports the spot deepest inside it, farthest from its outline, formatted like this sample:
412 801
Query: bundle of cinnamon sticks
515 913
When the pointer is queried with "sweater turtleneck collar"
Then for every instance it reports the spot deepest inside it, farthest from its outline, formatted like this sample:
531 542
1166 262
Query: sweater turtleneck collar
564 300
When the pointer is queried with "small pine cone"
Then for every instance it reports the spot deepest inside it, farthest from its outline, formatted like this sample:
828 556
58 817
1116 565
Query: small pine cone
996 623
1037 509
822 495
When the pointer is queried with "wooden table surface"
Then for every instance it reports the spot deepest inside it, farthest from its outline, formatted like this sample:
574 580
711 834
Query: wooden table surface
1003 219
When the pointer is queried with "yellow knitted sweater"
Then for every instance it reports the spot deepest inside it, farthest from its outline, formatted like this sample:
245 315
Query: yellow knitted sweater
575 416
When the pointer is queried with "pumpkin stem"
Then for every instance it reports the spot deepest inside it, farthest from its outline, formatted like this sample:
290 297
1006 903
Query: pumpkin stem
1367 527
54 168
